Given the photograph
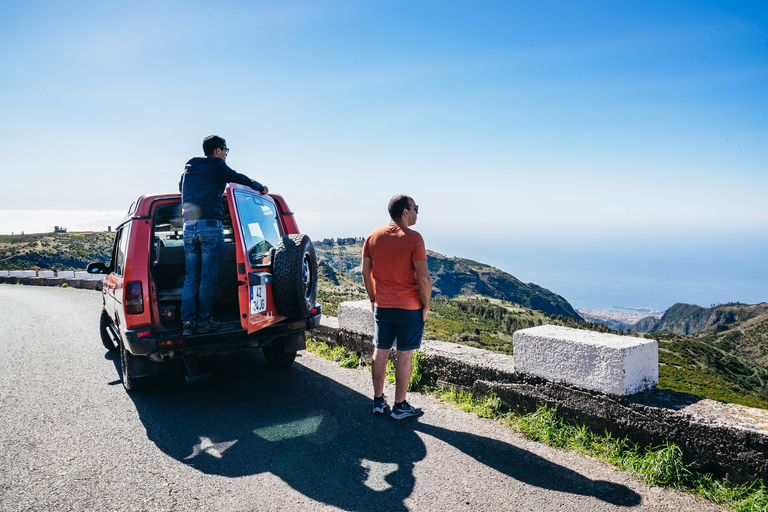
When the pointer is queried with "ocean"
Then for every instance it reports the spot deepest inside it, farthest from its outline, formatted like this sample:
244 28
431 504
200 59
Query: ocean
635 275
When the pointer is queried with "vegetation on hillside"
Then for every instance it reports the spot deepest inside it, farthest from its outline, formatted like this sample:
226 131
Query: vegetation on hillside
54 251
689 365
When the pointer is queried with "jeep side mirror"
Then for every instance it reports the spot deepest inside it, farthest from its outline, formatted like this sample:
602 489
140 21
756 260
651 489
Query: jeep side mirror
97 268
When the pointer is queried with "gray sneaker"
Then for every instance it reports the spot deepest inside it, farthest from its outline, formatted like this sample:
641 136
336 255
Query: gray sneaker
379 404
188 329
404 410
209 326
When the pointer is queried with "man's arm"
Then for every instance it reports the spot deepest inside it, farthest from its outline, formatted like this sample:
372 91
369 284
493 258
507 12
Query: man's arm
425 286
368 280
232 176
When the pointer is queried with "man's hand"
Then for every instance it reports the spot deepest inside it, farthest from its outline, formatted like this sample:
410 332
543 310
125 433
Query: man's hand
265 190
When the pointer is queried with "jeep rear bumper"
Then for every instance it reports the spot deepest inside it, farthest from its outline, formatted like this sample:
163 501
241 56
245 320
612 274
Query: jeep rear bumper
143 342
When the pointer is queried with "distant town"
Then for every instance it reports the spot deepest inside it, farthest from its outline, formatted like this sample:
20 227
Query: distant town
625 317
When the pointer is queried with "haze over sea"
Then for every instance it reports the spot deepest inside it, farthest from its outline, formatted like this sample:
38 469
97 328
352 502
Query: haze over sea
623 274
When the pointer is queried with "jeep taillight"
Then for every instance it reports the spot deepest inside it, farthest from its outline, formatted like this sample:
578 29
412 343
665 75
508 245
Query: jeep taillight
134 301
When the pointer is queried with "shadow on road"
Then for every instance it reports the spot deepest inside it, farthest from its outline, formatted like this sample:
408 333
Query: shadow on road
320 437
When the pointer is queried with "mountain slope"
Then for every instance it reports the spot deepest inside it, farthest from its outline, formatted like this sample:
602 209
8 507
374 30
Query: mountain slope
458 276
452 277
686 319
747 340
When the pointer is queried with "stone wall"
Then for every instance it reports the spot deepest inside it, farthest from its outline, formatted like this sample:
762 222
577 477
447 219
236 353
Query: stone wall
727 440
89 284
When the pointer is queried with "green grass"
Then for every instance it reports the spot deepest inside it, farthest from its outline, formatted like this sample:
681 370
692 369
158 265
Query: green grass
661 465
338 354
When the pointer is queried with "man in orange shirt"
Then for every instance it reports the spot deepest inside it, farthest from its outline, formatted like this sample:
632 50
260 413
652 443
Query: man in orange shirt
397 280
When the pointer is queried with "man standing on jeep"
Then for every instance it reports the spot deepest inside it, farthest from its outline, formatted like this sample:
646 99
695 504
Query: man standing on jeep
397 280
202 185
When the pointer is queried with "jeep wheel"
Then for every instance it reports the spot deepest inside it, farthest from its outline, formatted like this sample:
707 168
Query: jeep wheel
295 285
132 365
276 355
106 332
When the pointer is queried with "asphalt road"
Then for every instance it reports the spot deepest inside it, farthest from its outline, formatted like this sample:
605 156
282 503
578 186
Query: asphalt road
253 438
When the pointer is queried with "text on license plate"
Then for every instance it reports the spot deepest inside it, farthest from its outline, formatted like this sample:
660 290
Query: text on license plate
258 298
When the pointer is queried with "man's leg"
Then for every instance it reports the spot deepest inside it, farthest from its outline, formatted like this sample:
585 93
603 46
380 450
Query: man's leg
379 370
212 253
403 374
191 278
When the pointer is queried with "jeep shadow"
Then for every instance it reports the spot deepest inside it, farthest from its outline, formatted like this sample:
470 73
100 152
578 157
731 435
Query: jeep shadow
320 437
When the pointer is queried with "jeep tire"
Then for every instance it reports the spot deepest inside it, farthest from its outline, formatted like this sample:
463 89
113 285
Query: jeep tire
106 332
295 276
132 366
276 355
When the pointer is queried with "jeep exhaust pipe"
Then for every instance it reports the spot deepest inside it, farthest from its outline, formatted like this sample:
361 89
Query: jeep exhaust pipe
161 357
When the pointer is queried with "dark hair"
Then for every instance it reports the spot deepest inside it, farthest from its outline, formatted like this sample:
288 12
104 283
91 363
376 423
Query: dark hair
397 204
211 143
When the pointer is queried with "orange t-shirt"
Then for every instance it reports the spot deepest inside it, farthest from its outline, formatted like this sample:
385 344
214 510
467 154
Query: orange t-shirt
392 250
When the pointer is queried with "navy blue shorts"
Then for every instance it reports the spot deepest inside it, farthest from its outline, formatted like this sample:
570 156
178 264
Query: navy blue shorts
403 327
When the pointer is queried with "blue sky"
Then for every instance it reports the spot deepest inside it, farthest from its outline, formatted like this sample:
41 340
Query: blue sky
580 122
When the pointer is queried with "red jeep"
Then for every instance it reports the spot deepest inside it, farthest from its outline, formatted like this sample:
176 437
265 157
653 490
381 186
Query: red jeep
265 294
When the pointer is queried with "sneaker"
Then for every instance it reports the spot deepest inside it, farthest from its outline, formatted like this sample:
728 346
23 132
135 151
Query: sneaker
404 410
379 404
209 326
189 329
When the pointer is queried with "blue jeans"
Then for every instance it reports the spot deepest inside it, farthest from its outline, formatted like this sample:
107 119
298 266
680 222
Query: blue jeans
204 250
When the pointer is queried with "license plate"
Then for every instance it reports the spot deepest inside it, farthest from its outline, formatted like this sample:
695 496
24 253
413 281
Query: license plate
258 298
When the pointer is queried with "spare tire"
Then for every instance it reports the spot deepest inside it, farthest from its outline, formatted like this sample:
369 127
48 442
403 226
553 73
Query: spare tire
295 276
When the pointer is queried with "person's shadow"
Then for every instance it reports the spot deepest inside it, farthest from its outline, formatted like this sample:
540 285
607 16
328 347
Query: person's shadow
321 438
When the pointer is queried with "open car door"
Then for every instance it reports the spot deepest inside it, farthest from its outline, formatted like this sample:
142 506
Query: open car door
257 230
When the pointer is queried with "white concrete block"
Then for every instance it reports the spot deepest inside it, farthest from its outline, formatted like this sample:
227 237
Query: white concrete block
23 273
82 275
65 274
45 273
356 317
612 364
4 273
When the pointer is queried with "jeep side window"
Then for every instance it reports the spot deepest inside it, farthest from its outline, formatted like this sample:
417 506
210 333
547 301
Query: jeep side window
258 220
122 248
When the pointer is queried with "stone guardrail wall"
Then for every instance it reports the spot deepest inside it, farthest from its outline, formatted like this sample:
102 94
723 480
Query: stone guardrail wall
46 278
727 440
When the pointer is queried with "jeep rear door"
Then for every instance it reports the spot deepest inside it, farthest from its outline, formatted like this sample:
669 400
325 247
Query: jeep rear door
113 282
257 231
